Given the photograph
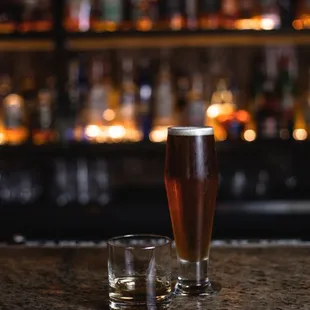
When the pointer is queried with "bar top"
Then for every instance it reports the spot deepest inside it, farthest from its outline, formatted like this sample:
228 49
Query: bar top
253 278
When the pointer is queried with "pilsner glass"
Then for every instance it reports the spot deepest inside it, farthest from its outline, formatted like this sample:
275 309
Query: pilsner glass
191 179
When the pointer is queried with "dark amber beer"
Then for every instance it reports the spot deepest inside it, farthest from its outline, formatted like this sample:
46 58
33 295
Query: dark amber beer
191 179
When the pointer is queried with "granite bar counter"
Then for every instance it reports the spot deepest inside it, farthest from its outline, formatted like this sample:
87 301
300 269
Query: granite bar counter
253 278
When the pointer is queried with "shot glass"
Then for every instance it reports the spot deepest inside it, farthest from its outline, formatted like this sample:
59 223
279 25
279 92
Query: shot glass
139 268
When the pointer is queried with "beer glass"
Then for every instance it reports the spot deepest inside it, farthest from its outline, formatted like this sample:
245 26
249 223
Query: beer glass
191 179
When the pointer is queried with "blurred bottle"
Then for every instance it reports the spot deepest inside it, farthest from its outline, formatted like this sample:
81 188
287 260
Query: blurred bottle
108 16
128 102
42 16
42 122
229 13
145 88
191 13
164 102
287 9
209 14
97 99
270 15
10 15
78 16
302 20
144 14
259 79
15 119
29 93
268 117
285 87
175 18
196 106
27 22
183 85
249 15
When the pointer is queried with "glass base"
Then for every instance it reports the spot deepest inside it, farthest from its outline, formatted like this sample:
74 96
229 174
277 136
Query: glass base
143 306
193 279
190 288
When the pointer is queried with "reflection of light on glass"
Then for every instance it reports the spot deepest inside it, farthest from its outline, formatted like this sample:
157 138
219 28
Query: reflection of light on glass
176 22
133 135
108 115
84 15
2 138
92 131
145 24
249 135
116 132
268 23
300 134
145 92
158 134
297 24
227 109
214 110
243 116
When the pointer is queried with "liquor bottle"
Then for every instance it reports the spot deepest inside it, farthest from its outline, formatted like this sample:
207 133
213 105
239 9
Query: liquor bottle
27 22
29 93
268 116
144 14
209 14
164 97
128 96
42 121
191 12
183 85
285 90
15 119
98 93
109 16
175 14
270 15
9 16
145 89
42 16
249 16
196 106
78 15
302 20
229 13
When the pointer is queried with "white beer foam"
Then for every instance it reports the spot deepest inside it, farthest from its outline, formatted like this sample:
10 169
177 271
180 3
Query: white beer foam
190 131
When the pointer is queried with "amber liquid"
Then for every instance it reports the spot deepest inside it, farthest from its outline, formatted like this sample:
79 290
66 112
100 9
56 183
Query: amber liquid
191 179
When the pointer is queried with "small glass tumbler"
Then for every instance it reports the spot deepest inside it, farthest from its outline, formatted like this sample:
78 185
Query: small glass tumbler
139 269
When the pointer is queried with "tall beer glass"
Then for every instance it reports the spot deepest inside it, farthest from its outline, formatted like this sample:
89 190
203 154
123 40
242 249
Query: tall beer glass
191 179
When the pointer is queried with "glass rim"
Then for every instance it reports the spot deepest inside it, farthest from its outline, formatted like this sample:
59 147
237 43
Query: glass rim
132 236
190 131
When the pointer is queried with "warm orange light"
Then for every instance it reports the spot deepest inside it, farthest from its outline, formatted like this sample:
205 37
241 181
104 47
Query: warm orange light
243 116
300 134
297 24
267 24
92 131
108 115
176 22
116 132
214 110
158 134
249 135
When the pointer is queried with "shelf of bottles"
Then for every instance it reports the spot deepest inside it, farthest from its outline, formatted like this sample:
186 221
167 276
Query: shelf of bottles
26 25
178 15
131 96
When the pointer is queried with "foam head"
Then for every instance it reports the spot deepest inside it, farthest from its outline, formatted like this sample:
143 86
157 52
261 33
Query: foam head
190 131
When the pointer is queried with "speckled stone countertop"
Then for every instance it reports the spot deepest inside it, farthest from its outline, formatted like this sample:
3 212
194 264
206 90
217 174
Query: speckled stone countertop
253 278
